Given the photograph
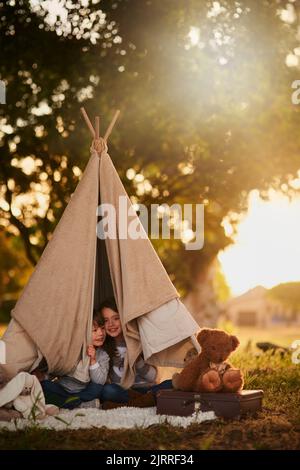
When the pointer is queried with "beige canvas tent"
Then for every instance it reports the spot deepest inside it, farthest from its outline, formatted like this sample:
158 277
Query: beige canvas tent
78 270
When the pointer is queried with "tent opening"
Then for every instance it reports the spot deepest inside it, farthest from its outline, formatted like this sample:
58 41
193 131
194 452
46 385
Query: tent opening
103 288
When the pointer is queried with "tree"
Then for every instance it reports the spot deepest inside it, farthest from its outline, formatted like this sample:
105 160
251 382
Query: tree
14 272
47 76
221 287
288 294
218 110
206 111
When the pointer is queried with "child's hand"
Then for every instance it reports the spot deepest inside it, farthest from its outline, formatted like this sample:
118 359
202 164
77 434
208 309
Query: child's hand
91 352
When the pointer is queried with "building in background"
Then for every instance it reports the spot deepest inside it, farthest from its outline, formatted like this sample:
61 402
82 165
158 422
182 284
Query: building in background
255 308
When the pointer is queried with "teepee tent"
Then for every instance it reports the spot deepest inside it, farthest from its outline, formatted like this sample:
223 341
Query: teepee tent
78 270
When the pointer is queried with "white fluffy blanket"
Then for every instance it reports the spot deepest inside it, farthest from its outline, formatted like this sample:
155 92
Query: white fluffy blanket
119 418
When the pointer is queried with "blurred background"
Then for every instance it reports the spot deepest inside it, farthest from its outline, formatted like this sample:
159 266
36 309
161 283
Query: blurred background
205 93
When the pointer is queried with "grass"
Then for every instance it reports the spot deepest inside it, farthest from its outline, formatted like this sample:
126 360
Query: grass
276 427
281 335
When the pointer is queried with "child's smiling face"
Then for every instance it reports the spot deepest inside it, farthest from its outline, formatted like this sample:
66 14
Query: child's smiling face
112 322
98 335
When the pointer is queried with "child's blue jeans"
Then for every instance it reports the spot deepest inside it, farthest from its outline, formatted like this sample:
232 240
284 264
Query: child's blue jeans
57 395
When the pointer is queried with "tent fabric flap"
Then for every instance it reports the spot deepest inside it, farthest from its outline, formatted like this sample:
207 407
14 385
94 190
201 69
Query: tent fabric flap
139 278
140 282
77 271
164 327
19 351
56 304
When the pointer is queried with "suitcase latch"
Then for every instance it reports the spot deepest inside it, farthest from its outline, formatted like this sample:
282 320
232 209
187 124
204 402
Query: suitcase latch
196 401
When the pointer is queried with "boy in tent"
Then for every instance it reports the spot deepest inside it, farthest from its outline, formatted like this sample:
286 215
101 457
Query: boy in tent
144 389
68 392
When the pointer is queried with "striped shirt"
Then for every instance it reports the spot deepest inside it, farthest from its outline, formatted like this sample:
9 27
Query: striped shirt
98 374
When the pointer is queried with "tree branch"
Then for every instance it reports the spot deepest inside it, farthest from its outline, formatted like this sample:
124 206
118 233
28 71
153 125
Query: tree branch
22 229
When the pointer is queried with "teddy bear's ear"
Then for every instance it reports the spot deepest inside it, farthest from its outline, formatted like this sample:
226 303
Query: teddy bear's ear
203 335
235 342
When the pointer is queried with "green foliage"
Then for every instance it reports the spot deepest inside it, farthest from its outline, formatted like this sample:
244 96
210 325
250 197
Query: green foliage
288 294
14 272
5 312
203 122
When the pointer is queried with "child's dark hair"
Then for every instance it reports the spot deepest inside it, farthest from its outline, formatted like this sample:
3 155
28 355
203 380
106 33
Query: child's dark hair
108 303
98 318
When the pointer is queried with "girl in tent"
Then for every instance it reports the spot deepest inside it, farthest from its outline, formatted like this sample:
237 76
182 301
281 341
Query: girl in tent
68 392
144 388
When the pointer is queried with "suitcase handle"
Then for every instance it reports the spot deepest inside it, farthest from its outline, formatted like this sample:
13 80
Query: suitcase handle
195 400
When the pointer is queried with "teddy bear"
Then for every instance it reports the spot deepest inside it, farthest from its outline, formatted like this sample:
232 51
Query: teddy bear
208 371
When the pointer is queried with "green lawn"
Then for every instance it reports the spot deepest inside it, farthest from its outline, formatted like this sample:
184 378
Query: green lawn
276 427
281 335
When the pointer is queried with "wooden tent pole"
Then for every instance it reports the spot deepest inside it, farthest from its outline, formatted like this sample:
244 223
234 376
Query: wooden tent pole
88 122
111 126
96 132
97 128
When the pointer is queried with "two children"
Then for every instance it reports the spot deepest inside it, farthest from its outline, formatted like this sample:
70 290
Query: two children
107 355
144 388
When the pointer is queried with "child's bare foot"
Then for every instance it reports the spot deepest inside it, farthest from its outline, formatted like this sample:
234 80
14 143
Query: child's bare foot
52 410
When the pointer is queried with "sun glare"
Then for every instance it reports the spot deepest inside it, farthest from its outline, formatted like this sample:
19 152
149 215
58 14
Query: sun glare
194 35
266 250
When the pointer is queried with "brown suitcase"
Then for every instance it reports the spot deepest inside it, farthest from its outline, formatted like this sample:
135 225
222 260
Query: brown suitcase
225 405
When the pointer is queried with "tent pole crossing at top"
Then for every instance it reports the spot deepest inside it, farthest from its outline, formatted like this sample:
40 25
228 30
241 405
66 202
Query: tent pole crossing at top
96 132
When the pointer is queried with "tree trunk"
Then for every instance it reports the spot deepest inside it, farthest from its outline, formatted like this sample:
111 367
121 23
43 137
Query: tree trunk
202 301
